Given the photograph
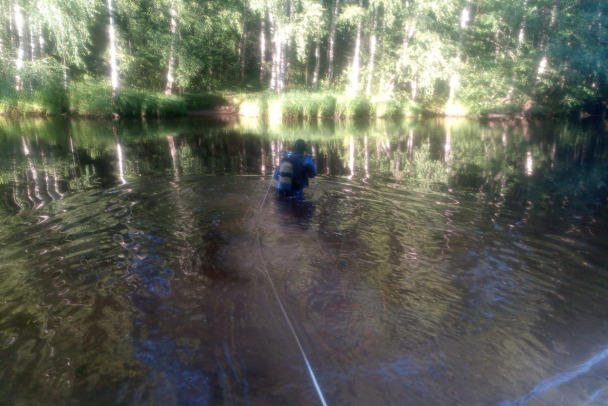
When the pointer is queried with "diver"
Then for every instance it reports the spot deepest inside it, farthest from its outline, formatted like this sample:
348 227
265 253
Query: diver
294 170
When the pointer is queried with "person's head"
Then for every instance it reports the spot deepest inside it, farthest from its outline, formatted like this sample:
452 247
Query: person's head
300 146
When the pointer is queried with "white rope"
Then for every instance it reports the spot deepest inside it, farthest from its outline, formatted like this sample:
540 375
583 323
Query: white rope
276 295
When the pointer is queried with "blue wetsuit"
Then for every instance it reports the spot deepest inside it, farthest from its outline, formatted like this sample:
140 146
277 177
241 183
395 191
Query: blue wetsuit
293 173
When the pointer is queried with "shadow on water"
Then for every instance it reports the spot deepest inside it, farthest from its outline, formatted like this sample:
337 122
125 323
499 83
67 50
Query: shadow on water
431 262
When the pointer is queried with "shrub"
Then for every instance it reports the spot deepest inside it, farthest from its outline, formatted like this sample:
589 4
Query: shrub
203 101
251 105
129 103
90 97
327 105
171 106
389 109
357 107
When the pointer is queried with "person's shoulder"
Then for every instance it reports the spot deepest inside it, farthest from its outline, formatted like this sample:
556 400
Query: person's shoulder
308 159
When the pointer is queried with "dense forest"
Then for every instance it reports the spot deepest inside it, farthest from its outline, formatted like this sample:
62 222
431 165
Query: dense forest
342 57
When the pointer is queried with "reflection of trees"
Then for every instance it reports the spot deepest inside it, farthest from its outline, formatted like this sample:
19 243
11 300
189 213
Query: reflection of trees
403 203
56 313
488 158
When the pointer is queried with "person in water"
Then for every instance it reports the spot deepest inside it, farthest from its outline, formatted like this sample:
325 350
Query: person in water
294 170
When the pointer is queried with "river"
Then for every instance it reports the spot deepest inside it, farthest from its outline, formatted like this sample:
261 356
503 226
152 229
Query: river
432 262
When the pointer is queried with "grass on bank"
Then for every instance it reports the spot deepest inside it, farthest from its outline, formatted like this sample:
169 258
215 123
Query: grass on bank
93 97
299 105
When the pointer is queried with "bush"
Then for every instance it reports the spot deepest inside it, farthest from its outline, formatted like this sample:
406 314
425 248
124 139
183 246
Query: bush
292 105
91 97
389 109
94 98
357 107
251 105
129 103
171 106
327 105
203 101
43 92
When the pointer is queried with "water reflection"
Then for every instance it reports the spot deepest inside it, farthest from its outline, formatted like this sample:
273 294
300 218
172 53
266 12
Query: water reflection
432 262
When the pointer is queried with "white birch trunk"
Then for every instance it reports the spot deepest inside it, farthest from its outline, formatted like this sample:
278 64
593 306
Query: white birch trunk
332 42
32 45
41 42
113 63
65 73
273 56
315 75
263 49
354 72
243 42
170 76
277 73
372 53
409 30
414 88
276 50
521 36
497 41
19 23
286 42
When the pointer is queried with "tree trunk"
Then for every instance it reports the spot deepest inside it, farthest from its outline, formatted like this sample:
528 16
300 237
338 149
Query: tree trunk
454 83
285 65
65 73
263 49
277 31
32 45
522 30
113 63
497 41
41 43
19 23
354 72
170 76
276 79
243 42
315 76
332 42
409 30
372 53
276 52
543 63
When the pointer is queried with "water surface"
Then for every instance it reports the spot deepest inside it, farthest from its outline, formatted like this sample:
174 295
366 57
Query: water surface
443 262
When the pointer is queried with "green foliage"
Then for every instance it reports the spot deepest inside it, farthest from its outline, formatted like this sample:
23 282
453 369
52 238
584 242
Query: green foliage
203 101
43 93
251 104
91 97
294 105
395 108
488 64
357 107
161 105
327 105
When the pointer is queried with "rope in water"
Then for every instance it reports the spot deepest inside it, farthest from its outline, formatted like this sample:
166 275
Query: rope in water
280 302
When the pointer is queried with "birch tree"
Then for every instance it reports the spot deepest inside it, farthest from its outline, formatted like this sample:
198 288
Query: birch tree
317 69
353 86
332 41
113 63
19 22
170 74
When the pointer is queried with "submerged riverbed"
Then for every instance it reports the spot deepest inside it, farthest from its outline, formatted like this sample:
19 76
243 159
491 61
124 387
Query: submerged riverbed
439 262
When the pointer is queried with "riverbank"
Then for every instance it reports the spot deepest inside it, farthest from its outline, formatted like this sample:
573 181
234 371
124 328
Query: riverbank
94 99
